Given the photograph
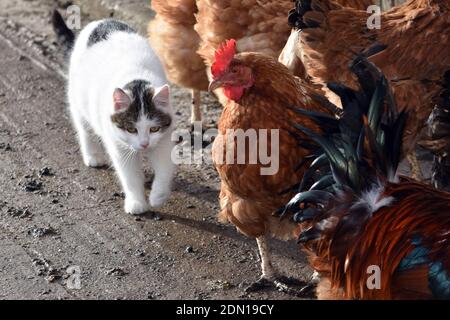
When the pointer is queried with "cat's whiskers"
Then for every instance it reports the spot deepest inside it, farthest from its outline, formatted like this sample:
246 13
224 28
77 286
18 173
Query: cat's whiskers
129 154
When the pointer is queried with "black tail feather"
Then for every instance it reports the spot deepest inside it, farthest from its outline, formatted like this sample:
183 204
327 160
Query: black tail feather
360 148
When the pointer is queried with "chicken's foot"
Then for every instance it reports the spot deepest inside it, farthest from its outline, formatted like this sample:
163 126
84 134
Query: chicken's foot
416 171
271 279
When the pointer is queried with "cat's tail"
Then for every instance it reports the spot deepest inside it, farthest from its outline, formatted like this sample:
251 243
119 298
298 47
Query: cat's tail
64 35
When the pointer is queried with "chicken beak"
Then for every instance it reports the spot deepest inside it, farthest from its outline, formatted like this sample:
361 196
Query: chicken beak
215 84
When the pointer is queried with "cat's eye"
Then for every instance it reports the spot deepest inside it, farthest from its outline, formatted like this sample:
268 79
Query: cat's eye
155 129
132 130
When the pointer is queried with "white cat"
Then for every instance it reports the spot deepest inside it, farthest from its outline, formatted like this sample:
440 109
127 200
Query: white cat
118 95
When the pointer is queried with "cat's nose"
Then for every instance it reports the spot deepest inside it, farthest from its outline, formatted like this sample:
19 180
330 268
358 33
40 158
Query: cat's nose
144 145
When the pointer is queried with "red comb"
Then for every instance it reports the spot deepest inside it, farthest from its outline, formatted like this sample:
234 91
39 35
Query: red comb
223 56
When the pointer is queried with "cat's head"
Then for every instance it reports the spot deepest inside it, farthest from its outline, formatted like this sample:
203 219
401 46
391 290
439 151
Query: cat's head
142 114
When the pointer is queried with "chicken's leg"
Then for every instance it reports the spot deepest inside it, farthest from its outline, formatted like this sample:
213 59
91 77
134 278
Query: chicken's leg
268 271
271 279
196 113
416 171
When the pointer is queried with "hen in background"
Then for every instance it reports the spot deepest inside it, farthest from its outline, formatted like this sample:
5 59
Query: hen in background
257 26
172 36
416 34
370 233
186 33
260 91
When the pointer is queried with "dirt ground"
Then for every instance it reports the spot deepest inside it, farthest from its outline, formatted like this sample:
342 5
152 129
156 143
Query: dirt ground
56 214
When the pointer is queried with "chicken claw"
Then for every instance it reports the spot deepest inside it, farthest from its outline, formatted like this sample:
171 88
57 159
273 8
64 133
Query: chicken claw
288 285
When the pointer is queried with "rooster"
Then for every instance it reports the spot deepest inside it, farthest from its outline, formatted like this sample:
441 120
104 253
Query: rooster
260 91
186 33
416 33
359 216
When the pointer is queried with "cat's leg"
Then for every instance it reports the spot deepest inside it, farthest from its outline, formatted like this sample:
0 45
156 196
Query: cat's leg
128 166
164 169
90 147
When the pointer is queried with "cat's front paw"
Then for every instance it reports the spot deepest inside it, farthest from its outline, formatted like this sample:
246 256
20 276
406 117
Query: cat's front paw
96 160
157 199
133 206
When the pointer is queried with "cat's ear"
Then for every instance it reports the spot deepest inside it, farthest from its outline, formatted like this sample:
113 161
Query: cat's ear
161 97
121 100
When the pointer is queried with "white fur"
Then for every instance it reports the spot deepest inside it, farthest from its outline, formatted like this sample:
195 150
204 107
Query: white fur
94 74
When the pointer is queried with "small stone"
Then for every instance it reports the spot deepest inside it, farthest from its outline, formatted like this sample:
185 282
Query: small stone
5 146
139 253
32 186
157 217
19 213
189 249
118 272
51 278
45 172
41 232
119 195
220 285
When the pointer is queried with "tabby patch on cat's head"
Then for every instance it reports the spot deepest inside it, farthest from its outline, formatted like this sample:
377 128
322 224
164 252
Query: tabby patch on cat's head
138 98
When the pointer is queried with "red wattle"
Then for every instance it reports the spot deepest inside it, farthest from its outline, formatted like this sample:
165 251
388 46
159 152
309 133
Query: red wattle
233 93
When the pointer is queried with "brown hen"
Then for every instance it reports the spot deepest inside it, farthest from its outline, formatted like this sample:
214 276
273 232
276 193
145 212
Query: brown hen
260 92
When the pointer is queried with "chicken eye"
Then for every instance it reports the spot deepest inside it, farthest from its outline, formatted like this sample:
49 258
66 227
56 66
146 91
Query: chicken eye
132 130
155 129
